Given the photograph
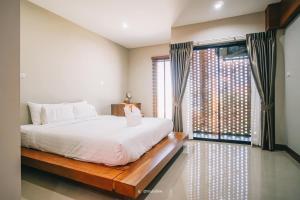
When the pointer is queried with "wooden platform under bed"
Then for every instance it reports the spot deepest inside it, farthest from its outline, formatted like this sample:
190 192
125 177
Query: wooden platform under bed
128 180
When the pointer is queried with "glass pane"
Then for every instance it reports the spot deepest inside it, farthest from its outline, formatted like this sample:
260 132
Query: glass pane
204 91
160 90
168 90
234 92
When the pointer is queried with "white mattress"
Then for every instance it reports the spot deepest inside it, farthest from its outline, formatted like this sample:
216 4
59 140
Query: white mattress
104 139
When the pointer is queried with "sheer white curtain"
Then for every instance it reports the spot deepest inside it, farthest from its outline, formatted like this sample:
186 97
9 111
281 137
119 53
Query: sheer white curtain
187 112
255 115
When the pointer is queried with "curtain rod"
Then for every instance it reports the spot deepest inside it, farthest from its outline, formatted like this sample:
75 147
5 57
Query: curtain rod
164 57
220 40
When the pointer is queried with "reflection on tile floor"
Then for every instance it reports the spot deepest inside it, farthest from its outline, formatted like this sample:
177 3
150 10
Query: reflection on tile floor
240 138
223 174
204 170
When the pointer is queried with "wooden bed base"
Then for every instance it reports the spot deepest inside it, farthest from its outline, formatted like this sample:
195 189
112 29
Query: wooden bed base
128 180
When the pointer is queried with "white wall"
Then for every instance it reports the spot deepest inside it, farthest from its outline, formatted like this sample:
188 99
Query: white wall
140 74
292 84
10 183
219 29
64 62
280 132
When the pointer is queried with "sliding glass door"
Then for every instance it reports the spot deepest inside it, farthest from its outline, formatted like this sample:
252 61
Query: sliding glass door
220 92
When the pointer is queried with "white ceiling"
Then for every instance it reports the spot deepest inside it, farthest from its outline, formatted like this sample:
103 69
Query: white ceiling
149 21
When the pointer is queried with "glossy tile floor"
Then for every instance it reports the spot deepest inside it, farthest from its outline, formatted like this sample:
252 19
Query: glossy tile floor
204 170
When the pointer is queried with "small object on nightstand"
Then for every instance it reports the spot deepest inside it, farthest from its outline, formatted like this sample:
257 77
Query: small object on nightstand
118 109
128 98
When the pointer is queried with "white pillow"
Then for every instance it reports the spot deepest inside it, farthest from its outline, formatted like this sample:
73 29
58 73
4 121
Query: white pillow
76 102
35 112
133 115
56 113
83 110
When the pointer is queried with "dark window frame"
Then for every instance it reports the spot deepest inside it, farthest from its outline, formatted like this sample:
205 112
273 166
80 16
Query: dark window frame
222 45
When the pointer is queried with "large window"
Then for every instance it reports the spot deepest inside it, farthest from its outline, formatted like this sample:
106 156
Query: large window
220 91
162 91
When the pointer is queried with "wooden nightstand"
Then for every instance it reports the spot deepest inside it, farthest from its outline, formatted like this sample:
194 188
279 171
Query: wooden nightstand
118 109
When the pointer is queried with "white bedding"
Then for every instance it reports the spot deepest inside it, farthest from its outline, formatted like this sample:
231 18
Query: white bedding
103 139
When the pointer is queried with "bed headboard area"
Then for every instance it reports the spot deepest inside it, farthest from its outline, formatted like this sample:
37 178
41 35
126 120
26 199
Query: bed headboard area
26 116
62 62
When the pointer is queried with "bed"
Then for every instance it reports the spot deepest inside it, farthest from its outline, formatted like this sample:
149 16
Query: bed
102 151
101 139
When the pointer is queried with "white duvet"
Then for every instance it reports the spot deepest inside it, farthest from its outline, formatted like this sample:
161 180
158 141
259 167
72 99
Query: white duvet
104 139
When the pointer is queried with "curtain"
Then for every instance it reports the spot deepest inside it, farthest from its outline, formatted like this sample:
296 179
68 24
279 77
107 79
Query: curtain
255 115
187 116
262 54
180 55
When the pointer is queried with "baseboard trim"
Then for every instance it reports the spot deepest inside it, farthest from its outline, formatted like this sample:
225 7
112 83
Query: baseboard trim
280 147
291 152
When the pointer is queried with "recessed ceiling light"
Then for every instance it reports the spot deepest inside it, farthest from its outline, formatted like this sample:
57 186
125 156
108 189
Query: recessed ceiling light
218 5
124 25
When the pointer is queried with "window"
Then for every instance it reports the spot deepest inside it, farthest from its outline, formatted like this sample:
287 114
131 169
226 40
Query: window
162 90
220 91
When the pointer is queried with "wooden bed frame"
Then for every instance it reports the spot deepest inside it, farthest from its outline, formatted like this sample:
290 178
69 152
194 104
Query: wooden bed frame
128 180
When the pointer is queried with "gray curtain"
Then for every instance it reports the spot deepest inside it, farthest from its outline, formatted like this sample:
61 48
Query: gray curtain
180 55
262 54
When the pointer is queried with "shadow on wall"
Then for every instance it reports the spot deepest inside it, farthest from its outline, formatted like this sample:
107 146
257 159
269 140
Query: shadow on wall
280 91
24 114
